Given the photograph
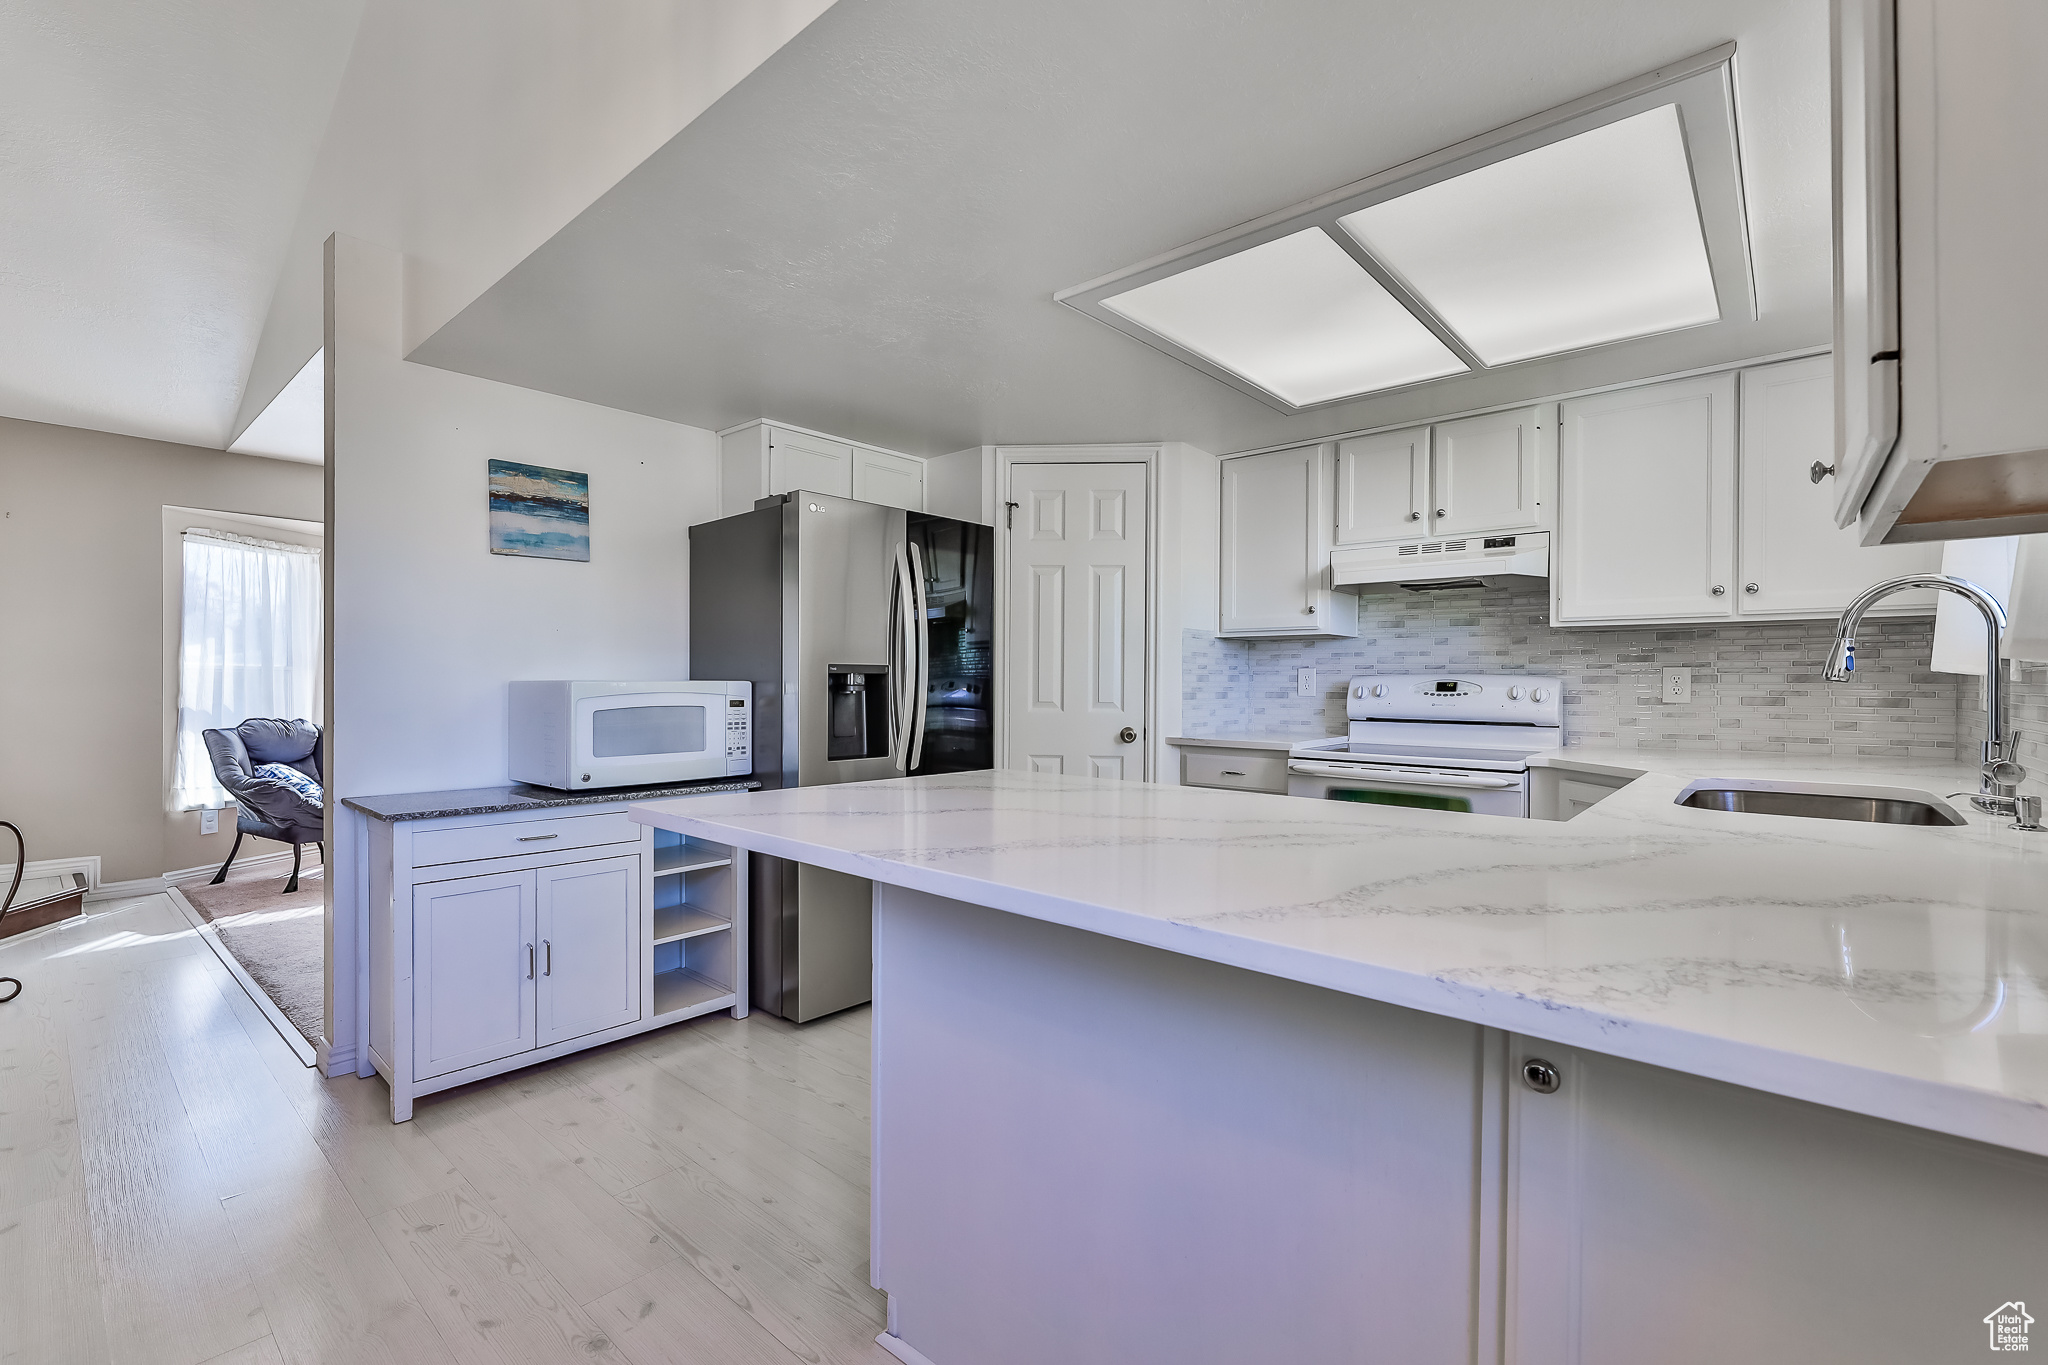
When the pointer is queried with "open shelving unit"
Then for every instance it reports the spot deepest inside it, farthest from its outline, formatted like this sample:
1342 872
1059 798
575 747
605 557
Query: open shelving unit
698 926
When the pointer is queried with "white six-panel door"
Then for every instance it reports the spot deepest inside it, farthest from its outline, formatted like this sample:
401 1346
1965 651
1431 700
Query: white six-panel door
1076 620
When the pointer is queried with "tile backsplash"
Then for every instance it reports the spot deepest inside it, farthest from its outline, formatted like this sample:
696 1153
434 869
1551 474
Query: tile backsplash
1755 687
2026 712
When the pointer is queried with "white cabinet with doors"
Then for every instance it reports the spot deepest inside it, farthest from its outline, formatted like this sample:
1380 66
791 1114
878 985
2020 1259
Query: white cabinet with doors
1277 515
761 459
1471 476
486 955
1691 500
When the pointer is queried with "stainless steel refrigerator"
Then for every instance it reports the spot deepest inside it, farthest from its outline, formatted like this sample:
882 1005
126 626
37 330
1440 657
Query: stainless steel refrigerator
868 634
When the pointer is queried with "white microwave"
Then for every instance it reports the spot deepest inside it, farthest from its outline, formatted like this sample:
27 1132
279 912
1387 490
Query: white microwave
584 736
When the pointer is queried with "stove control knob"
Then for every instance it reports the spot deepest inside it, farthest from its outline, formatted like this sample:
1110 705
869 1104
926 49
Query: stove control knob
1539 695
1379 689
1514 694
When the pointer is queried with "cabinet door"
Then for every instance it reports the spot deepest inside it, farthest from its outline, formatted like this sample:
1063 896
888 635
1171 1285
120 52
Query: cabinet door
1276 547
891 480
1646 504
1490 473
1646 1204
1793 561
809 462
590 937
1383 487
473 974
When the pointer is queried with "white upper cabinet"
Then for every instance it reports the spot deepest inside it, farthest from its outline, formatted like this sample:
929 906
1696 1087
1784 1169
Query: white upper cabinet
892 480
761 459
1472 476
1491 473
1646 505
1792 560
1383 486
799 460
1277 514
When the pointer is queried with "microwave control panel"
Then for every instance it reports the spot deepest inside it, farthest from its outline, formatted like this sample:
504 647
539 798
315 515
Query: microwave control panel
739 737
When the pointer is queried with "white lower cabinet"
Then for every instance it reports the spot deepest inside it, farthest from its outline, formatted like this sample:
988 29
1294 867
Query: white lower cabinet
1658 1216
482 962
588 918
473 985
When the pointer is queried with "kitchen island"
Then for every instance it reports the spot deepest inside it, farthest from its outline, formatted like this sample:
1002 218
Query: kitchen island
1178 1074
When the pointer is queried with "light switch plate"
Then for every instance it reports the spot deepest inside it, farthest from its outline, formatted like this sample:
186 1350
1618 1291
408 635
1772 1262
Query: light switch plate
1677 684
1304 682
209 822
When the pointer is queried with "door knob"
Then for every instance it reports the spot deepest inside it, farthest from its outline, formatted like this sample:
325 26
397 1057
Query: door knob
1127 736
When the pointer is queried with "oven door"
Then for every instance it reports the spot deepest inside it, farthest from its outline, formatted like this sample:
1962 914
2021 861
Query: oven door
631 739
1394 784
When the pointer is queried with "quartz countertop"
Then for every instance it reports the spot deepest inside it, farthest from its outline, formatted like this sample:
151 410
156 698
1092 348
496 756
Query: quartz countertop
1896 971
520 796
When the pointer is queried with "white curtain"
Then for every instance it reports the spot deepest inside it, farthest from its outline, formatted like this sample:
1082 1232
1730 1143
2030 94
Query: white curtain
250 646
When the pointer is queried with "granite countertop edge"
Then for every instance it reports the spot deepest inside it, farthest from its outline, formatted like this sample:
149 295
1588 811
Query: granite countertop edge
398 807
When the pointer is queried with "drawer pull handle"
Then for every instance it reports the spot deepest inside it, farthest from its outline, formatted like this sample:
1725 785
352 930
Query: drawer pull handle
548 960
529 962
530 838
1232 772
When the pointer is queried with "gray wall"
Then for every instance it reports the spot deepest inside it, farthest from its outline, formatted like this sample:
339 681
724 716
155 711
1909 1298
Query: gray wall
81 691
1754 687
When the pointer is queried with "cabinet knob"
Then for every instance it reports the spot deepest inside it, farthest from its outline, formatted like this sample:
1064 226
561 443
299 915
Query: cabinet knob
1540 1076
1415 516
1819 471
1720 591
1308 611
1440 512
1750 588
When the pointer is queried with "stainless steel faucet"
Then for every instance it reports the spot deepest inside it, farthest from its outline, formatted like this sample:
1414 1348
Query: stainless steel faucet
1998 789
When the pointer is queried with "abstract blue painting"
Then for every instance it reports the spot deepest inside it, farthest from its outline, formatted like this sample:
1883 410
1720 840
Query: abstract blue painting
540 513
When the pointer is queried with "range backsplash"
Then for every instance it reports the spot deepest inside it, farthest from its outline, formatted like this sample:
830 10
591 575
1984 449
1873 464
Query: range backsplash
1754 687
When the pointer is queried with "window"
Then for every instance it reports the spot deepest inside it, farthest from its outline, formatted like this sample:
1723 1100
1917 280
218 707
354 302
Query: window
248 645
1616 217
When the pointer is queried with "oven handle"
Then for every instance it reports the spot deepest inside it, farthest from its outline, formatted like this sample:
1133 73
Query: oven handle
1410 779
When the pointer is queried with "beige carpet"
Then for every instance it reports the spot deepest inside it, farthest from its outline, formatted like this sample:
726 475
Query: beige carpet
276 938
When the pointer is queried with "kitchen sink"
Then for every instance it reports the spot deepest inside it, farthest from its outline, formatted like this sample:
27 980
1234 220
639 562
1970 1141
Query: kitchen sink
1871 805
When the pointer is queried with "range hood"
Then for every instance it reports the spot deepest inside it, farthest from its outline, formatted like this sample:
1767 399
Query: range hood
1444 563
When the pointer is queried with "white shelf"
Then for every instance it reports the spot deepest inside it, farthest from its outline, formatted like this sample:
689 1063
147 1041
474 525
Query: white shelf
672 922
683 989
691 855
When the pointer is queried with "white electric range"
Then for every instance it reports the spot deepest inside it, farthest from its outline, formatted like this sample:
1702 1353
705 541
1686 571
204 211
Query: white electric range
1443 741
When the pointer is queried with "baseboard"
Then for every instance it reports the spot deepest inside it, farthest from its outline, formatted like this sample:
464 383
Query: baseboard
205 873
51 867
902 1350
141 886
334 1061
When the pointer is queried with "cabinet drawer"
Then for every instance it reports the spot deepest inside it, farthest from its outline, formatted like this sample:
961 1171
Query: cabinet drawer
1240 771
466 843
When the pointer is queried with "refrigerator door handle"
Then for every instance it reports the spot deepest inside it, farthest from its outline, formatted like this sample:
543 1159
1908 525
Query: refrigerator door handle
920 641
901 662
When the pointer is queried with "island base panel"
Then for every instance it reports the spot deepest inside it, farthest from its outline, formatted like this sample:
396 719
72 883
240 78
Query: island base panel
1088 1150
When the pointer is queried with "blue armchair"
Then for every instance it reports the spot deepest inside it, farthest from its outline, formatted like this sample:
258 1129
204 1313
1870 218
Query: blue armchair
268 807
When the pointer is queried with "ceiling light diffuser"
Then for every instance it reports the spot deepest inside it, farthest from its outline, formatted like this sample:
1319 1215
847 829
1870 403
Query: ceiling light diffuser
1296 316
1590 239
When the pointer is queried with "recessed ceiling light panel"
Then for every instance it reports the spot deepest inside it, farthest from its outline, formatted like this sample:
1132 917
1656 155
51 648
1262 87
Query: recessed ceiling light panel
1295 316
1591 239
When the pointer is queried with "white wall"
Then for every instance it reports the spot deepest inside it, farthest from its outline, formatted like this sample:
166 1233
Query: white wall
1188 536
425 625
83 750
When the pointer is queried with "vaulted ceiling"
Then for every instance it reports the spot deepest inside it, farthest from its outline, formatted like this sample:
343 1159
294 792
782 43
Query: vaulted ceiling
865 235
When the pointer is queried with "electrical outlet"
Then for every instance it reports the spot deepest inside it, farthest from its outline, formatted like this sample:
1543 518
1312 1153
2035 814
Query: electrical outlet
1677 684
209 822
1304 682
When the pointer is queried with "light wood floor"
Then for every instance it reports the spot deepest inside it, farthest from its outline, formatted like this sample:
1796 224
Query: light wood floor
175 1188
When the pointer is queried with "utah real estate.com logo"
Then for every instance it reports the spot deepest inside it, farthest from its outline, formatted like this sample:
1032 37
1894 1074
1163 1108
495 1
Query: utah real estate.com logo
2008 1325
